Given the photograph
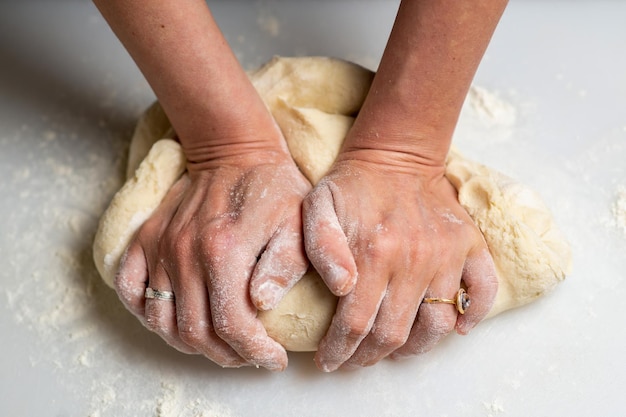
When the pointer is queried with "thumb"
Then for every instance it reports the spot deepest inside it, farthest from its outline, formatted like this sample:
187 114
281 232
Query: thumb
325 242
281 265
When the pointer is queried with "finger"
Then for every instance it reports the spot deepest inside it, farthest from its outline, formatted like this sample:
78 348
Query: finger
353 319
234 315
479 276
160 315
434 321
132 276
326 243
281 265
131 279
195 327
393 322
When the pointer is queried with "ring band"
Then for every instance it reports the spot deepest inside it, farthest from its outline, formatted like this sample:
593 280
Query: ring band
461 301
159 295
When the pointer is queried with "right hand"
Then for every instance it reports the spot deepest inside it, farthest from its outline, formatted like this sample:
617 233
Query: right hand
385 231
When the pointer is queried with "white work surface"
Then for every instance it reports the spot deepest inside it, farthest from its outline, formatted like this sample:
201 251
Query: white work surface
69 97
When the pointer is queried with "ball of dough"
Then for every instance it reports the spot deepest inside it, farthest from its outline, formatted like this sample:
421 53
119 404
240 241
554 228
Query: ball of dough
314 101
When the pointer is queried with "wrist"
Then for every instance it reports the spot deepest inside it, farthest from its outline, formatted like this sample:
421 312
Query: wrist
392 162
243 155
241 128
404 142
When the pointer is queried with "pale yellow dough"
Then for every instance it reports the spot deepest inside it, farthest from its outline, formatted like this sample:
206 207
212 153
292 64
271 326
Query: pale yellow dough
314 101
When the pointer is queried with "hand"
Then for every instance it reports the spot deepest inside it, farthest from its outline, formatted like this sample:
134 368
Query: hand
226 240
402 229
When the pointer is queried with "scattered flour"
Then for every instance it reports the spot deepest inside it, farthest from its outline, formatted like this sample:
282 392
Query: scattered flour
172 402
79 329
268 24
484 110
494 407
490 108
619 208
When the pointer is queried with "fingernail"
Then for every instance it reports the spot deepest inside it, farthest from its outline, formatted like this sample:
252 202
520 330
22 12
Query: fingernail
341 279
276 367
272 365
269 294
327 366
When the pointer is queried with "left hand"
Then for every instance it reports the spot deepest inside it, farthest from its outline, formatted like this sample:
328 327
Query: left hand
226 241
400 226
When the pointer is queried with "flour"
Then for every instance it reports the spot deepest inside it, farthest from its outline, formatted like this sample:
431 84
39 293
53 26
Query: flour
489 108
172 403
619 208
268 24
52 292
485 110
495 407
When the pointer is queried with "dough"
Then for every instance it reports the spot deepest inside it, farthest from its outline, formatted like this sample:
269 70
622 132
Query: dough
314 101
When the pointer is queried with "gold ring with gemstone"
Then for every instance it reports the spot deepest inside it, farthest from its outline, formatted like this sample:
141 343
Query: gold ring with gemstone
461 301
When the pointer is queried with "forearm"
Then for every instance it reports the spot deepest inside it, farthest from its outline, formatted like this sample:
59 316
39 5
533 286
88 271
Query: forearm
192 70
430 60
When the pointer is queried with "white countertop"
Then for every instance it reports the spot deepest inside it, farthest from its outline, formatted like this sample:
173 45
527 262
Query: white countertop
69 97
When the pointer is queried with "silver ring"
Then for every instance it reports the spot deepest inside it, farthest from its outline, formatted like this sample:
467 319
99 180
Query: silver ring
461 301
159 295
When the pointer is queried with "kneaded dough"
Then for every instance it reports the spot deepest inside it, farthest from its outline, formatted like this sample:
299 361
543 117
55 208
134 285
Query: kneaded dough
314 101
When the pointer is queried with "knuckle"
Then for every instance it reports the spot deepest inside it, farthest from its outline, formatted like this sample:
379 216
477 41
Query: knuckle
382 244
190 335
438 323
192 330
356 327
419 247
217 242
423 249
225 329
155 323
390 337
